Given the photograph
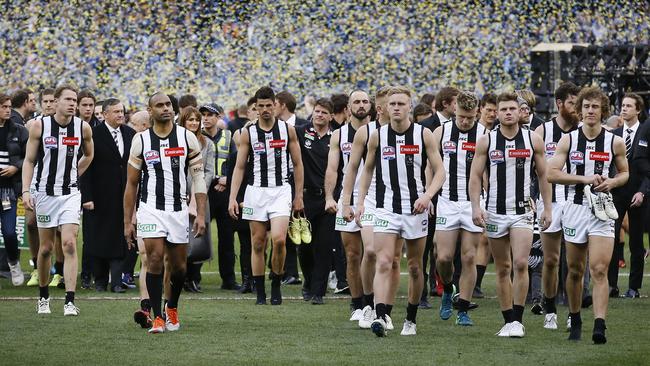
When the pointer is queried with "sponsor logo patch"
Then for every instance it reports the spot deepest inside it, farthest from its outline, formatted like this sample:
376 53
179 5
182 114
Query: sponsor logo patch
367 218
469 146
247 211
174 151
309 136
491 228
152 157
146 228
569 231
277 144
577 157
449 147
346 148
441 220
259 148
643 143
43 218
388 153
70 141
497 157
599 156
519 153
381 223
550 148
341 221
50 142
308 144
409 149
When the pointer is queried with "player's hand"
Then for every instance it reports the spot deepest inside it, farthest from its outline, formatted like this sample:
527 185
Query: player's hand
90 205
348 213
479 217
27 201
219 187
357 216
594 180
298 204
330 206
233 209
605 186
637 199
546 218
129 235
198 228
421 204
9 171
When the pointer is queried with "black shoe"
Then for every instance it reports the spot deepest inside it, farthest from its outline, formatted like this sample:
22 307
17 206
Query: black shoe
118 289
424 304
632 294
613 292
101 288
345 290
231 286
454 302
61 284
246 287
187 287
587 301
599 336
276 292
86 282
317 300
575 334
478 294
291 280
261 300
195 287
537 308
306 295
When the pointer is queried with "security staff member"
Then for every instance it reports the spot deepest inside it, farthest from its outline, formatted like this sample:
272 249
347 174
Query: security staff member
219 192
316 258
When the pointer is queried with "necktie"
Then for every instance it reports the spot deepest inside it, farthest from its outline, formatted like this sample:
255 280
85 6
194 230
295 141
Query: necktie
628 143
115 139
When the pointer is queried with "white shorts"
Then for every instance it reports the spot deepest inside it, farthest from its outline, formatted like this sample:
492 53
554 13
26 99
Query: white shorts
556 223
54 211
407 226
265 203
579 224
455 215
498 226
367 219
174 226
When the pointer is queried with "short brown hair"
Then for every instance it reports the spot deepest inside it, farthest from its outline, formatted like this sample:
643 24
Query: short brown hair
506 97
427 98
399 90
324 103
467 100
59 90
187 100
488 98
20 97
287 99
4 97
445 95
86 94
44 92
528 96
593 92
187 113
421 110
638 101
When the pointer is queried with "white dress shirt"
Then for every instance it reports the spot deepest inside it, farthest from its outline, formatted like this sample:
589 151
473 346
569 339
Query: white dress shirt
120 139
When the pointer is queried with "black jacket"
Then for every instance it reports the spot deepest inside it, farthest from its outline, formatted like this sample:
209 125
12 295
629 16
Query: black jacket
17 136
635 182
640 161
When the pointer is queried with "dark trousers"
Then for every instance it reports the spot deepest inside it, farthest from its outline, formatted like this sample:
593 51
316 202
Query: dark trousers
339 262
428 258
87 261
128 263
316 258
103 267
635 219
226 244
8 222
244 233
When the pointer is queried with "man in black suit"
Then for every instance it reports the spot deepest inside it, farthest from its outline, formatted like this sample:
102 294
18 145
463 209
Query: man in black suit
445 108
630 197
102 189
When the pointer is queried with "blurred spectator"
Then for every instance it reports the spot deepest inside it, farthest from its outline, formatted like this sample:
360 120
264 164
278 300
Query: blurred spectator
187 100
285 108
421 112
23 103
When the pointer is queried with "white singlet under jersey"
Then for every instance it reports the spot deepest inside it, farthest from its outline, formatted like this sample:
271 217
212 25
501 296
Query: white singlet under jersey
56 163
588 157
164 176
268 157
509 165
457 151
552 134
400 168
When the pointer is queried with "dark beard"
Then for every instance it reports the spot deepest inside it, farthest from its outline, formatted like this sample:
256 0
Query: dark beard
569 117
360 115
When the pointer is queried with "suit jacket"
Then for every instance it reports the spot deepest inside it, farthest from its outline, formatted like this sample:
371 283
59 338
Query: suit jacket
432 122
103 184
641 156
633 185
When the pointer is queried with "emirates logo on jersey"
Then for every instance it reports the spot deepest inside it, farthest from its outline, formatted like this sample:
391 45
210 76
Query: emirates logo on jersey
174 151
519 153
409 149
346 148
277 144
388 153
50 142
577 157
599 156
469 146
70 141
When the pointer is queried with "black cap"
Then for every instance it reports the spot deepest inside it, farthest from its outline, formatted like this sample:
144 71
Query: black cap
212 108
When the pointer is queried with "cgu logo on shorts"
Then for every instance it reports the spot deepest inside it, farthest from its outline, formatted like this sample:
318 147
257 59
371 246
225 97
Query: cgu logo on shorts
340 221
247 211
491 228
550 149
367 218
381 223
569 231
441 220
497 157
577 157
346 148
70 141
409 149
174 151
259 148
146 228
449 147
388 153
152 157
43 218
50 142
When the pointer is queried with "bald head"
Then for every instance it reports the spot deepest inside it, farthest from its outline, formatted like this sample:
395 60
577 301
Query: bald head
140 121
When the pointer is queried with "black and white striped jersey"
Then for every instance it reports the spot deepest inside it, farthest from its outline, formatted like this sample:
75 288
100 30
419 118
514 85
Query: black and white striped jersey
457 150
165 159
552 133
56 164
588 157
346 139
510 164
400 163
268 158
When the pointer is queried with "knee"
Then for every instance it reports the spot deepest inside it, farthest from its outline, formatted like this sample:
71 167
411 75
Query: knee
279 242
551 261
504 270
69 246
258 245
415 270
468 258
599 272
384 264
444 258
521 264
354 258
45 249
370 254
155 261
575 273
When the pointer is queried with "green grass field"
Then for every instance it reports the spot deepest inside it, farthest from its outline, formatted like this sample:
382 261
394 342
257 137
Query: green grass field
224 328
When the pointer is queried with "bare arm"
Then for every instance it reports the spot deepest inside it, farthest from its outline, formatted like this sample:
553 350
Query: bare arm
352 169
238 172
331 174
31 152
133 171
89 149
476 179
366 176
435 160
622 168
199 186
545 188
554 172
298 171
